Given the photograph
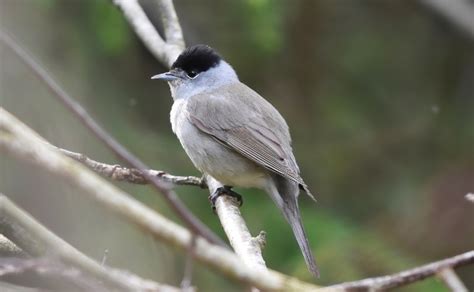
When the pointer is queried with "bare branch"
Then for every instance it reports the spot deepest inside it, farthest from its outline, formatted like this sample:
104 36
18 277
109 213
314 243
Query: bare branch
236 230
458 12
164 51
18 140
132 175
37 240
169 195
170 21
248 248
405 277
451 279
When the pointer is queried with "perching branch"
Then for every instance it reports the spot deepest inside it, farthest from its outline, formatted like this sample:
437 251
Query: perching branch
178 206
123 153
249 249
232 221
169 195
246 247
17 140
406 277
36 240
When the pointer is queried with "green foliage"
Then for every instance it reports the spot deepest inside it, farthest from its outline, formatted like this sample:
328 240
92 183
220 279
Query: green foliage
263 21
110 26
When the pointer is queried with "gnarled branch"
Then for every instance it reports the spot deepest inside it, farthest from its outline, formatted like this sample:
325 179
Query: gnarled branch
132 175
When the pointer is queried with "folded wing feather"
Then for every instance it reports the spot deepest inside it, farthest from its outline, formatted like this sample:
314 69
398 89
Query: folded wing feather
249 125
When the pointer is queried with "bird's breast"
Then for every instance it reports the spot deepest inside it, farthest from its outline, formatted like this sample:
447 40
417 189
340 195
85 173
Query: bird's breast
177 114
210 156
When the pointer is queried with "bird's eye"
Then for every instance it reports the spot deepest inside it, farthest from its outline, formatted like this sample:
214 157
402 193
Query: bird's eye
192 74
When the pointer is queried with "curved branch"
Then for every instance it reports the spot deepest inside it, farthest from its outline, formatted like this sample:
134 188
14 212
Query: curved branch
164 51
405 277
170 21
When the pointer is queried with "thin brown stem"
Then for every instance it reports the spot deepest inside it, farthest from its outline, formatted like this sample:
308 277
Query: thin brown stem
406 277
132 175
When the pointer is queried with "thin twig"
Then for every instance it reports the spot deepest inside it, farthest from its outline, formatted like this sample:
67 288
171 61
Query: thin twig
170 196
405 277
451 279
132 175
21 142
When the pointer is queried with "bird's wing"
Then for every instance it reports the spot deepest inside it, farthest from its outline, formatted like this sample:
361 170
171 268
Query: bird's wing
248 124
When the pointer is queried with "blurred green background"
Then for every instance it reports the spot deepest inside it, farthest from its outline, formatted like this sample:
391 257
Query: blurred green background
379 96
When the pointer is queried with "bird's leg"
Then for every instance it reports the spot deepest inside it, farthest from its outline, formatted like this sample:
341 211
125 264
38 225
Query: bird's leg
225 190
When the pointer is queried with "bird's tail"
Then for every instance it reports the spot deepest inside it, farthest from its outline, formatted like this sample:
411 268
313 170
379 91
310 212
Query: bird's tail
288 203
292 215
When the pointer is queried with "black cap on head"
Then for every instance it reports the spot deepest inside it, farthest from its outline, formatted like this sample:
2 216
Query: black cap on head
197 58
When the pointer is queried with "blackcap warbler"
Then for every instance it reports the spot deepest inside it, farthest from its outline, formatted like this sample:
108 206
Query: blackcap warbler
234 135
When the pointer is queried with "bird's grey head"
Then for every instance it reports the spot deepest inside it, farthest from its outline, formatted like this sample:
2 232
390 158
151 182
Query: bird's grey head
197 69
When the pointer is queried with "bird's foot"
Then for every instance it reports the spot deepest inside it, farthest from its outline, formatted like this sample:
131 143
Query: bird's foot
225 190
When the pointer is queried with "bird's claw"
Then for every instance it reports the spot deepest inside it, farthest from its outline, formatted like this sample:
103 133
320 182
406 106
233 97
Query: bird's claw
225 190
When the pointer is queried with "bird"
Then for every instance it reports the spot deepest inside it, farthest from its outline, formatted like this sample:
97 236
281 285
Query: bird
231 133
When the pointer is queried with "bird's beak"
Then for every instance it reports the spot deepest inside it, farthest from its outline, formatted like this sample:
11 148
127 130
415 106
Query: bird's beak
167 76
